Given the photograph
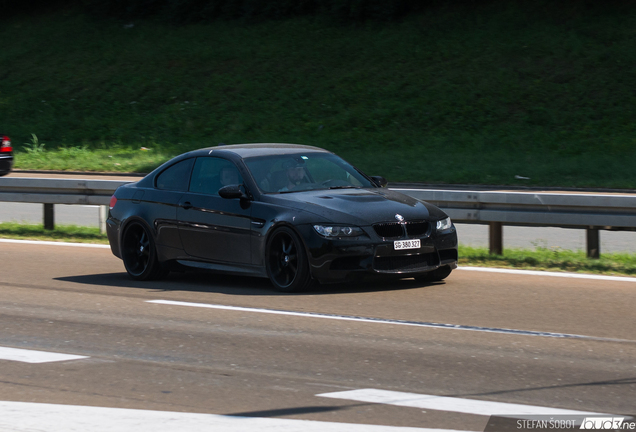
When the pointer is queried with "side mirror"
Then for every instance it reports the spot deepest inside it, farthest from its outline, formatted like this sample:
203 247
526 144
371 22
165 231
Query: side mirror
231 191
380 181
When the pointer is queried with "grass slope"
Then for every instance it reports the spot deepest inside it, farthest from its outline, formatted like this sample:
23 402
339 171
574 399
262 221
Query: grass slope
477 93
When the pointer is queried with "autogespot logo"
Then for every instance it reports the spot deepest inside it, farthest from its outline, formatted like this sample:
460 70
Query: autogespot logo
606 423
561 422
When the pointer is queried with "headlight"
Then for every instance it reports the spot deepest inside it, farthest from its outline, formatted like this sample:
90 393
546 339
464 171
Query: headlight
444 224
331 231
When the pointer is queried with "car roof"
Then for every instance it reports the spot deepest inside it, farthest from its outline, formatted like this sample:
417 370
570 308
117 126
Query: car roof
235 151
259 149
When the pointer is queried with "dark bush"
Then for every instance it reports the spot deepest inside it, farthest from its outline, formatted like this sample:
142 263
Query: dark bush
208 10
181 11
11 7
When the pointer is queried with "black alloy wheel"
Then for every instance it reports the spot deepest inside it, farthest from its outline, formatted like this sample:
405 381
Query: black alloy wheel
435 275
139 253
287 264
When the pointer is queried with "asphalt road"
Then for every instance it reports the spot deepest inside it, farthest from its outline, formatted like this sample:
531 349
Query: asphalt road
207 352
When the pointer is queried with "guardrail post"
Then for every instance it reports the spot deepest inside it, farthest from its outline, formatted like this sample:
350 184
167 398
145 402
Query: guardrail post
103 215
593 243
49 217
496 238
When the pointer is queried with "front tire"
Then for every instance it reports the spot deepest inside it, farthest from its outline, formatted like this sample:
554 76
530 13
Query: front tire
287 263
140 254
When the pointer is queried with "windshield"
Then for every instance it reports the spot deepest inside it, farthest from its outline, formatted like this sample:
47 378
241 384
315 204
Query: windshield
301 172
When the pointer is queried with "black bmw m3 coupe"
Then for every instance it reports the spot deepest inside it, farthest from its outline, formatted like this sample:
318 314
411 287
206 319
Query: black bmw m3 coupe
6 155
292 213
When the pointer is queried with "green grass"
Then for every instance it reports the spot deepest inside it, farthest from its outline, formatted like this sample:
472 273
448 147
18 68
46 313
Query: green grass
474 93
555 259
63 233
100 158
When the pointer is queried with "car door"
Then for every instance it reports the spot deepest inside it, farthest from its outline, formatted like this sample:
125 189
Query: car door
214 228
160 205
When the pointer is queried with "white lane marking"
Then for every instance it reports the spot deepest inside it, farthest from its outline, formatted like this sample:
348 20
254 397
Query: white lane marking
31 356
28 417
553 274
52 243
386 321
443 403
480 269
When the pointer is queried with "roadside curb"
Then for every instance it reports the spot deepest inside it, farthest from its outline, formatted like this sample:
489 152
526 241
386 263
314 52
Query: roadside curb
461 268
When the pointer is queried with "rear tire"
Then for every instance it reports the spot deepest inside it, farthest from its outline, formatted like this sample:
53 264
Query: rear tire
140 254
286 261
435 275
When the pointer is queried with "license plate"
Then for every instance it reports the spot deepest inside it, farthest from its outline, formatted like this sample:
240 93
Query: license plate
406 244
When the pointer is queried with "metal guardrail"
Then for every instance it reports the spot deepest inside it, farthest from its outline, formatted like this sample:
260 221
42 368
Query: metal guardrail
50 191
569 210
592 212
58 191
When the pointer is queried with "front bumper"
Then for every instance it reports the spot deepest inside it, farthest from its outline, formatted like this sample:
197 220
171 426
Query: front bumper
345 259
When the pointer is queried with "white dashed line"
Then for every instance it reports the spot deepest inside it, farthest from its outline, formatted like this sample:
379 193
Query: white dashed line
28 417
452 404
388 321
31 356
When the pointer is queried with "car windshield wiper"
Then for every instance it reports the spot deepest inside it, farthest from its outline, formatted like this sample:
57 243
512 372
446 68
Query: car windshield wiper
344 187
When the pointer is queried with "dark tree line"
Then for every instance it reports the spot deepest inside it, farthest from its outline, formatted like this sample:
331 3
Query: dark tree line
183 11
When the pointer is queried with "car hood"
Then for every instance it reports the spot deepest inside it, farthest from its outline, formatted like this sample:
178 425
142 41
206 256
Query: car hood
360 206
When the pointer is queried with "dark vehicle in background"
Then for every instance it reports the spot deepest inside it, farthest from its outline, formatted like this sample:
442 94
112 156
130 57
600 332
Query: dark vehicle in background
6 155
294 214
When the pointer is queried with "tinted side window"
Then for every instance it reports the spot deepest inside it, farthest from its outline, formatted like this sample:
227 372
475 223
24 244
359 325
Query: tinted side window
176 177
210 174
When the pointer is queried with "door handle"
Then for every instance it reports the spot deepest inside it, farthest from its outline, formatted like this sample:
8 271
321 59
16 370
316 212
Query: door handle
186 205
